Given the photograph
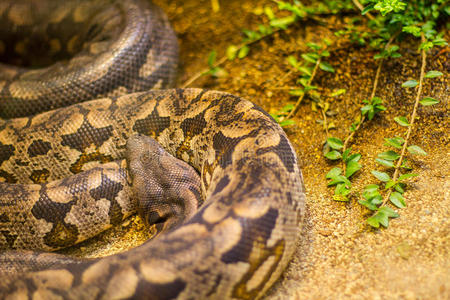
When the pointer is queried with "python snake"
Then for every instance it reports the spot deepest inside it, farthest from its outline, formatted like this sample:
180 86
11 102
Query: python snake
65 177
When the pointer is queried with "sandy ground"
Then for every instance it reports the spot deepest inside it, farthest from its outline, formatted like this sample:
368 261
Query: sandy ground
338 255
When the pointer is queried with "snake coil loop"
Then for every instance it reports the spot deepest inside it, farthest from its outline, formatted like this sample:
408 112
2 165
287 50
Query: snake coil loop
65 178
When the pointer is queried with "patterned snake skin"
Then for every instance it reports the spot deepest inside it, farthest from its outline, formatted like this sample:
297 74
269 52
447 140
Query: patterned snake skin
65 178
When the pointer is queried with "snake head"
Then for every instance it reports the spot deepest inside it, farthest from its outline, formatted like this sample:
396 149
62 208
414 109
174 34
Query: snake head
166 189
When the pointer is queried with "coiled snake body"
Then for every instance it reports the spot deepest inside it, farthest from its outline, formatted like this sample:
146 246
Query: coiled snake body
234 246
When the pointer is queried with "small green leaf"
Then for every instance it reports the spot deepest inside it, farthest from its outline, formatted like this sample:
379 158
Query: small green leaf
371 187
416 150
428 101
373 196
338 92
397 199
251 35
396 142
287 108
339 179
326 67
313 46
265 30
377 219
334 173
342 189
305 70
296 92
426 46
304 81
389 212
414 30
400 187
433 74
287 122
385 163
389 155
377 200
310 87
340 193
439 41
212 58
333 155
354 157
406 176
372 221
410 83
325 53
382 217
269 12
389 184
381 175
231 52
345 154
376 100
243 52
335 143
292 61
310 57
340 197
284 22
367 9
402 121
366 108
368 204
218 72
352 167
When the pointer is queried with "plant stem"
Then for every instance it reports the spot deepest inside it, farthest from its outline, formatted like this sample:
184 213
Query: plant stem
297 104
372 94
363 118
223 59
411 121
325 122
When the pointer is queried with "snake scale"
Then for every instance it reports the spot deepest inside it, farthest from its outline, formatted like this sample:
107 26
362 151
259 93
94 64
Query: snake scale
71 166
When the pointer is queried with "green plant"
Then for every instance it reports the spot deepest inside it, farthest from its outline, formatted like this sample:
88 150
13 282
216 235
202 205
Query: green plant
214 70
336 149
395 15
296 12
389 21
395 187
280 115
308 67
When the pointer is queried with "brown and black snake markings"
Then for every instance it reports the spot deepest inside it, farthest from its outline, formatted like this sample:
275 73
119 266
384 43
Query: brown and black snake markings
71 166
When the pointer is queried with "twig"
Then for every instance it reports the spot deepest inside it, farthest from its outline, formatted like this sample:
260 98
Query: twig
375 84
204 71
297 104
287 74
285 88
411 121
223 59
374 89
325 122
